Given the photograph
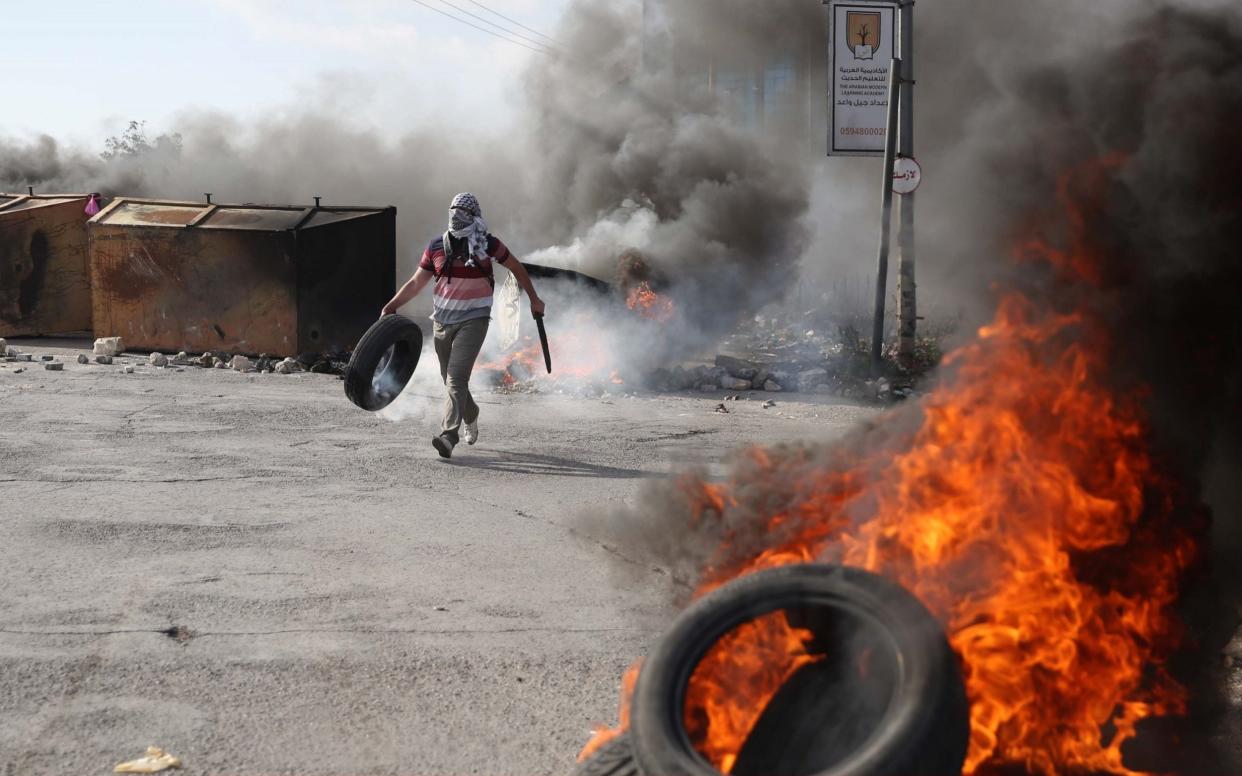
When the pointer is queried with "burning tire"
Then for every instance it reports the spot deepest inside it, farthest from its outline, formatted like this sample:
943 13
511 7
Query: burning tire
383 362
891 701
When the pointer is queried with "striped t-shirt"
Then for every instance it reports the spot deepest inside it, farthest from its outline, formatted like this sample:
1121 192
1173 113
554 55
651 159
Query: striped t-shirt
467 294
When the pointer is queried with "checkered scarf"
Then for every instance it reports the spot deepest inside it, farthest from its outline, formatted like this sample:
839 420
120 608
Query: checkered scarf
466 221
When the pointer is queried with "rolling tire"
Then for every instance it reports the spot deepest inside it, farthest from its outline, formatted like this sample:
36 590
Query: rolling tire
919 720
615 758
383 362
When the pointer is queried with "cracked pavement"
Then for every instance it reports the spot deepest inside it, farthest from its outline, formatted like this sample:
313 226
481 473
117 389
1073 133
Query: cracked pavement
253 574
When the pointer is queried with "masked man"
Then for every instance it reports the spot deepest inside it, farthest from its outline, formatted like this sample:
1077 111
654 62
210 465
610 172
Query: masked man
461 264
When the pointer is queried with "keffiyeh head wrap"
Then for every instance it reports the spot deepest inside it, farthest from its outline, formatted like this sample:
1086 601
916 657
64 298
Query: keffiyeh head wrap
466 221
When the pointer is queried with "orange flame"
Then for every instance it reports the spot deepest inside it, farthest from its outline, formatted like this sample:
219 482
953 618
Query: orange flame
647 303
602 734
759 656
575 350
1025 511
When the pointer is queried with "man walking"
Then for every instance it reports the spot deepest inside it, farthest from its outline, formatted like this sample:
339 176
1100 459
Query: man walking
460 262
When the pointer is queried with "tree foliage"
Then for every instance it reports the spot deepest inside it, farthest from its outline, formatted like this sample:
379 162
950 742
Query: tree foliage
133 143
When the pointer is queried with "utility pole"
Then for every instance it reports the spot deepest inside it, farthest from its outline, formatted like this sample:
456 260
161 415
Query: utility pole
886 212
907 304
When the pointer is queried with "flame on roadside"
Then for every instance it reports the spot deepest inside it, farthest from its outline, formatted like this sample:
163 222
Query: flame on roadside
1025 511
576 353
647 303
579 347
602 734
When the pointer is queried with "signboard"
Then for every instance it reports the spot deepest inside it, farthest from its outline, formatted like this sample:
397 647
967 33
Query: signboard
907 175
864 42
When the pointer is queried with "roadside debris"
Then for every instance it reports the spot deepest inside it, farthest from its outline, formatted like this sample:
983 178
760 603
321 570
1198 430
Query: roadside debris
19 370
105 360
54 366
154 761
158 359
47 358
109 346
83 359
769 404
129 370
723 410
241 364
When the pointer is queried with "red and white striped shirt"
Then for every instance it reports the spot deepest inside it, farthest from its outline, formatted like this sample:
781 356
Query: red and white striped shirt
466 292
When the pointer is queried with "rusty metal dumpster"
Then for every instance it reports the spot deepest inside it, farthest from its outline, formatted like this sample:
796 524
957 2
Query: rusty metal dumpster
198 276
44 269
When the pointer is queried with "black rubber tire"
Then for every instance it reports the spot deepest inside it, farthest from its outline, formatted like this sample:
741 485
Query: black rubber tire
373 381
923 724
615 758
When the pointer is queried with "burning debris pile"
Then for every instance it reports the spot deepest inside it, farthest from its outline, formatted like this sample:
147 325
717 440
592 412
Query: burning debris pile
1043 500
617 339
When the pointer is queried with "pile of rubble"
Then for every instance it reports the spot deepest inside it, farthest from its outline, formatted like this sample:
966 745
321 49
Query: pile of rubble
730 373
108 350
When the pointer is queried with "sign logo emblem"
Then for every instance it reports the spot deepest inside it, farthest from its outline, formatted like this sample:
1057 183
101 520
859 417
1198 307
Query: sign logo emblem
862 33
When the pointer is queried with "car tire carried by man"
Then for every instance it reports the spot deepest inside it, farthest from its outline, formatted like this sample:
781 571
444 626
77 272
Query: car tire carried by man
383 362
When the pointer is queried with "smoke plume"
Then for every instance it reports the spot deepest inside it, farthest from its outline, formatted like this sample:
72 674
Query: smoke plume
613 150
1093 181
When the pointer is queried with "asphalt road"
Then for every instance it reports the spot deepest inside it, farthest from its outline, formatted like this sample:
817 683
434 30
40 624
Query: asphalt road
262 579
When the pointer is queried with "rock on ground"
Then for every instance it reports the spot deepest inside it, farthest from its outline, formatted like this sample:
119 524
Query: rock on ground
109 346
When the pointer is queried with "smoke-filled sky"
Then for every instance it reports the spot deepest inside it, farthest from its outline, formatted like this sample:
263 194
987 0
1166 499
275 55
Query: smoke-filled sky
80 70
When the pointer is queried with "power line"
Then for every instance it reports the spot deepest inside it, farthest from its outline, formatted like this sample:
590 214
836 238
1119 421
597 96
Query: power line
513 21
543 50
497 26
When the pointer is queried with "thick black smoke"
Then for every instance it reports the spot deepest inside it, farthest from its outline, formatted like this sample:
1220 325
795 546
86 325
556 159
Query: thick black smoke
1119 142
613 150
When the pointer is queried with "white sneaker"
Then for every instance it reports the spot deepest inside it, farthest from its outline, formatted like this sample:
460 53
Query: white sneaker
472 432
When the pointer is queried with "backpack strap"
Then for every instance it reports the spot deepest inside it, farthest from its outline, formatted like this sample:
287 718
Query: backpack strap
446 271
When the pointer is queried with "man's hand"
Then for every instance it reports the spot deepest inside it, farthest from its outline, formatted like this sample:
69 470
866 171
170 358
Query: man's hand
536 306
410 290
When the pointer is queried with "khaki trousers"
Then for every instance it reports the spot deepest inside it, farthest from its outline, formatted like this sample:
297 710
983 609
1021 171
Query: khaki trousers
457 347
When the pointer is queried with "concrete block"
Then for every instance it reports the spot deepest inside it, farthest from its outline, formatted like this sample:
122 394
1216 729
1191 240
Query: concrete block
54 366
109 346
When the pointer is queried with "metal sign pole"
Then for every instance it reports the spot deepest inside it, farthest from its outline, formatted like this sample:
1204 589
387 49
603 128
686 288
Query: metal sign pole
886 209
908 307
